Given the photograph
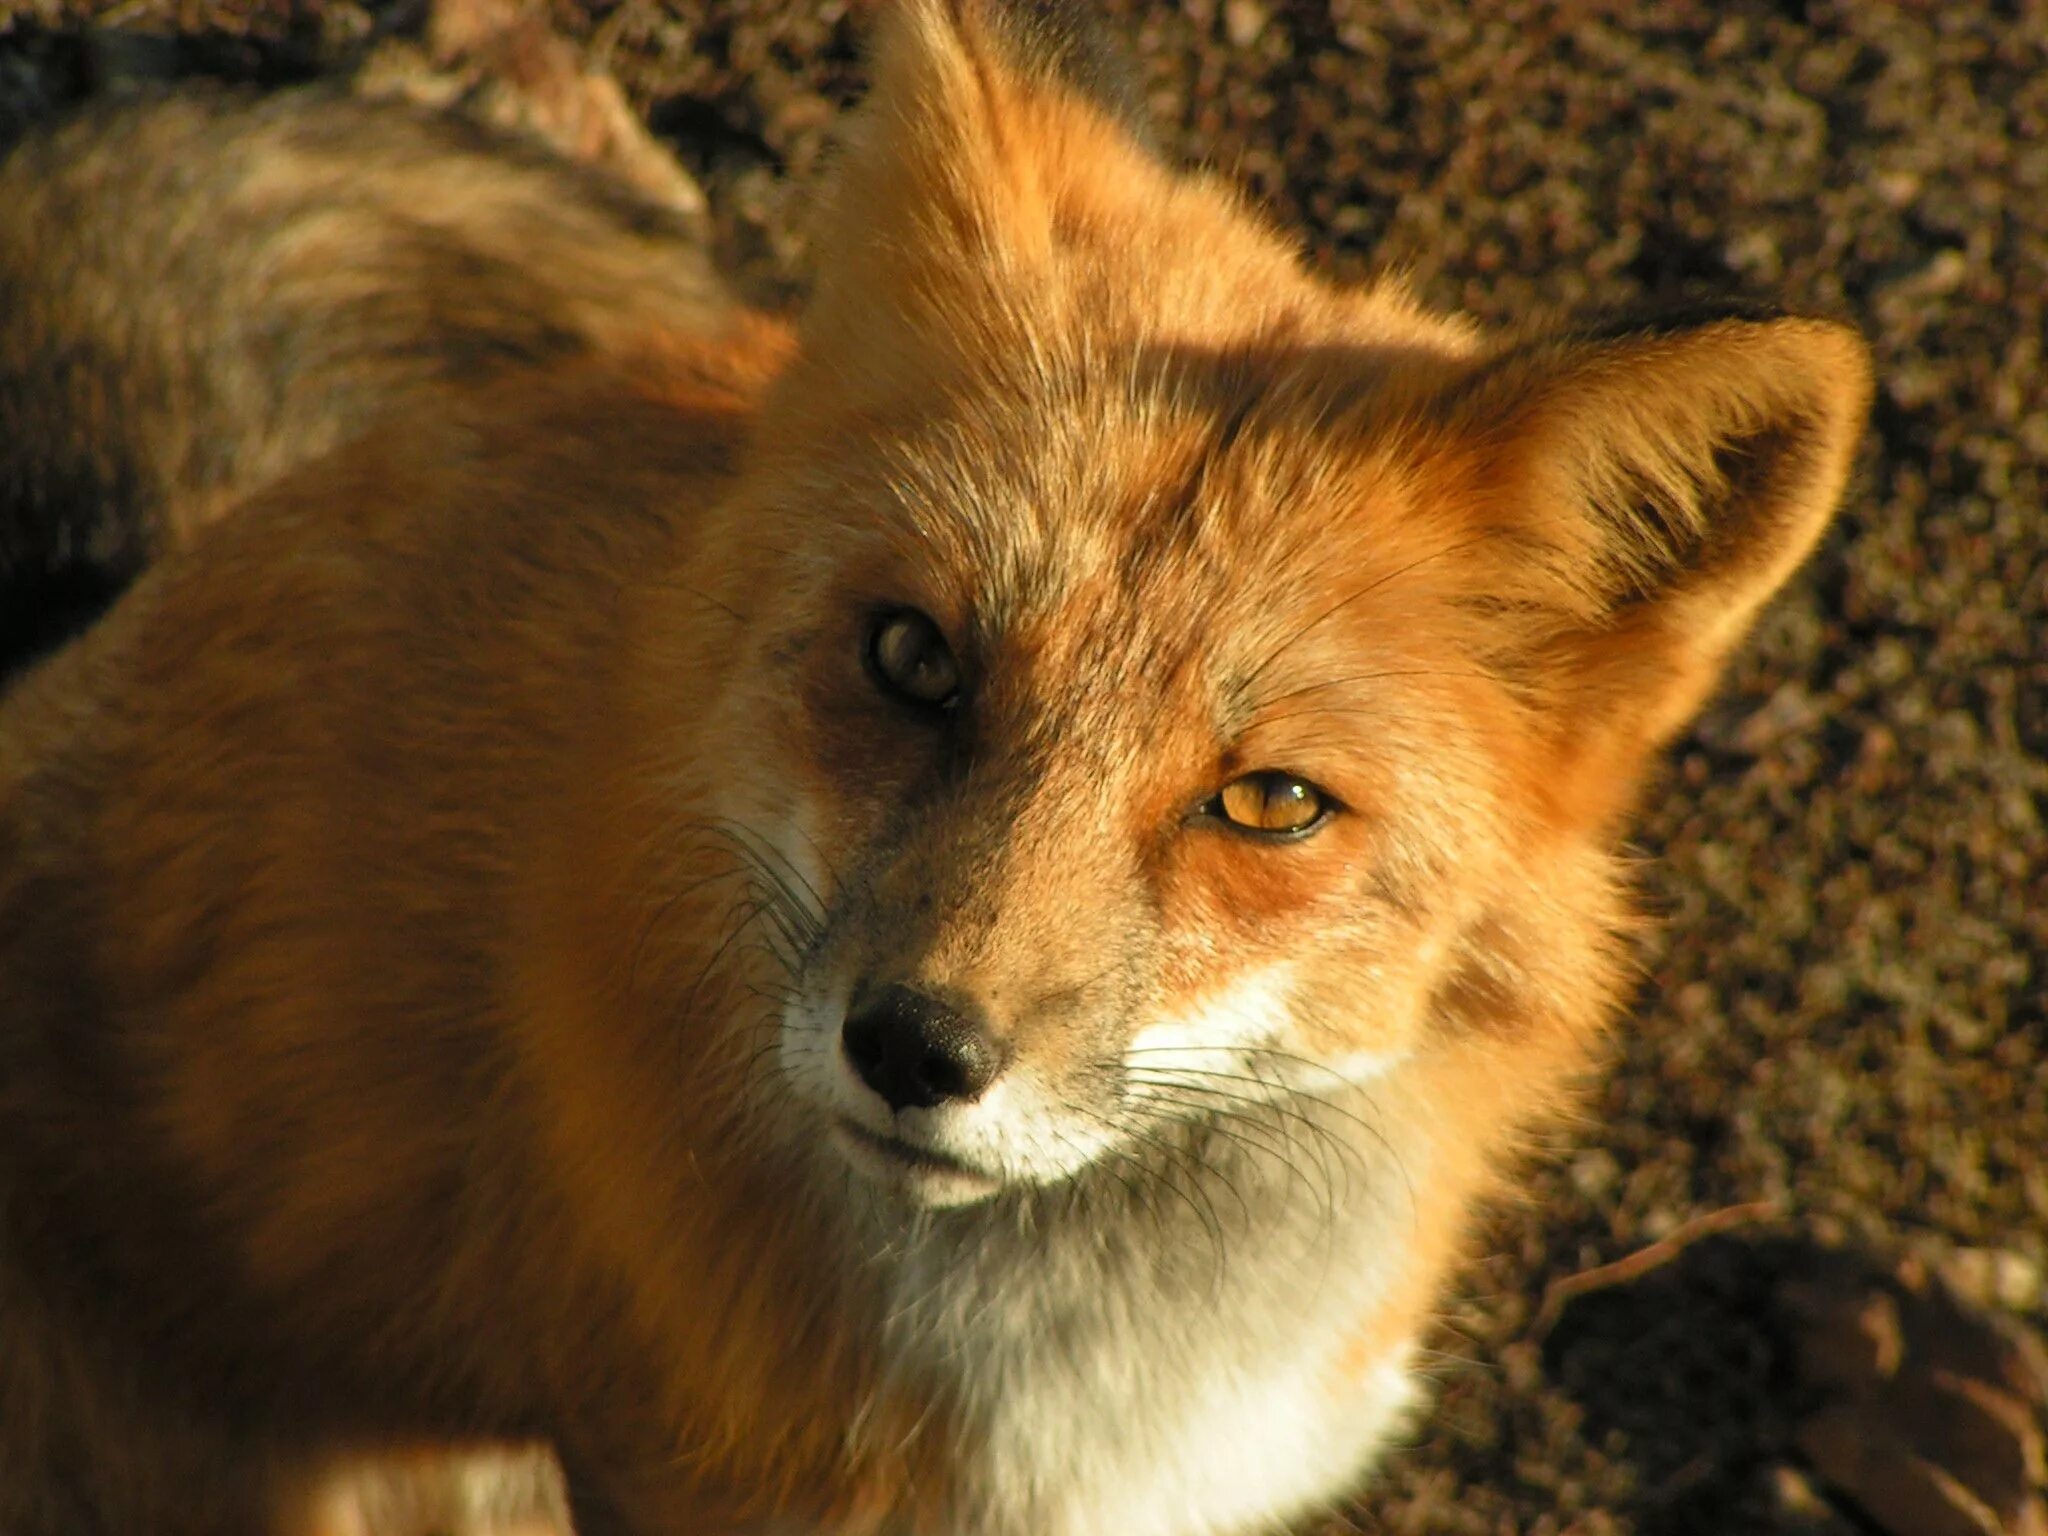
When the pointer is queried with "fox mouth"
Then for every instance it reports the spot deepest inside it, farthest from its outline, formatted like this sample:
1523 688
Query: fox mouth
932 1177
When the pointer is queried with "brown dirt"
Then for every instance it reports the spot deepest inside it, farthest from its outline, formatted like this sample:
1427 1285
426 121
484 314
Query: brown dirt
1845 1012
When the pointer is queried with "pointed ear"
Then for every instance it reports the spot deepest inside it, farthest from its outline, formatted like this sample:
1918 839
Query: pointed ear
980 118
1656 482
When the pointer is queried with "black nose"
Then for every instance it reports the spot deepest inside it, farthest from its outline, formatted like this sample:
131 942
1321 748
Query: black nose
916 1051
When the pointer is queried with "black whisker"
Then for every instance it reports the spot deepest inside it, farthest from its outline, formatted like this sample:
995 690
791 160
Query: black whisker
1358 596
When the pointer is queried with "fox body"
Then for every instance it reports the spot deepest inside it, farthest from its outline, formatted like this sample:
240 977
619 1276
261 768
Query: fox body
205 293
929 924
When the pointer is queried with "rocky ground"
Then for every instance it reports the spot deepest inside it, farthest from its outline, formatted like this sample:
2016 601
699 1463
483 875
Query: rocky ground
1842 1036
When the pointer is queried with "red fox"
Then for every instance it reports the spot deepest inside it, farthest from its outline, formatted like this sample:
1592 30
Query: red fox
927 924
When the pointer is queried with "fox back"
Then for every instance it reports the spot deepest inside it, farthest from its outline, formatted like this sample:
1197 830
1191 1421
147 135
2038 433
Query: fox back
199 295
931 925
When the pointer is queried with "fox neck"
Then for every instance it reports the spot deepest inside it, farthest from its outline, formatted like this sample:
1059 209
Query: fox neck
1112 1348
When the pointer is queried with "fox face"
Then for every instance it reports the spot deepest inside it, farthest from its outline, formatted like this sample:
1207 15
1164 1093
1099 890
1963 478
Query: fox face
1143 823
1204 688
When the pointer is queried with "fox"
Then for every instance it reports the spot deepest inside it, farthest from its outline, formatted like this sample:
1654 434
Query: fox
936 916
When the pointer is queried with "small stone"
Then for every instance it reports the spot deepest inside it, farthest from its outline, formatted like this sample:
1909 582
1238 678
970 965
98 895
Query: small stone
1521 1366
1790 710
1243 21
1594 1173
1794 1492
2000 1277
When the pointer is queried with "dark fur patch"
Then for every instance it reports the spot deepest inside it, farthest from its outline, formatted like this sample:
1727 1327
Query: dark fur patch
1066 40
1645 322
118 433
1649 322
42 609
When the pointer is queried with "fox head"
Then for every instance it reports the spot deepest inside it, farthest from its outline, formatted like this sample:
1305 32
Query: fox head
1170 683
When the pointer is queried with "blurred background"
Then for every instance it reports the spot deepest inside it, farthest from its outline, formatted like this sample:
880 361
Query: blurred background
1830 1103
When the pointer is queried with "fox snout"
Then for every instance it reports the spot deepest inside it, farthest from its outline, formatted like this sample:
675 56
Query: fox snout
919 1051
923 1098
953 1057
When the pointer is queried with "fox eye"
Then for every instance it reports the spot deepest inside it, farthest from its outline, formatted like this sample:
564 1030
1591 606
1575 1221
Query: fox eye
1270 803
910 660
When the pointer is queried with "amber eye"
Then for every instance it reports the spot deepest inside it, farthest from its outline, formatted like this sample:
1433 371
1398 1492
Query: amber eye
910 659
1270 803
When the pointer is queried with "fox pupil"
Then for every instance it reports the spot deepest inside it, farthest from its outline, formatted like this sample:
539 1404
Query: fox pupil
1272 802
910 660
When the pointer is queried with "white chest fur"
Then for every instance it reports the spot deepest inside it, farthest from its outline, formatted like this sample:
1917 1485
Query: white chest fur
1173 1369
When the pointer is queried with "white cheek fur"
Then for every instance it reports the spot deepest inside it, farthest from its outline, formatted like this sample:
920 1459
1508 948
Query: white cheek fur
1251 1011
1022 1132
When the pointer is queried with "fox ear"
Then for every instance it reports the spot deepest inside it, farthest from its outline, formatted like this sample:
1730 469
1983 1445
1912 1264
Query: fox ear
982 118
953 73
1656 482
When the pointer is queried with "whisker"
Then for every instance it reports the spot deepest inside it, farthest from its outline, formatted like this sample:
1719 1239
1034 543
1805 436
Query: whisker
1202 1208
1372 677
1263 1129
668 584
1323 617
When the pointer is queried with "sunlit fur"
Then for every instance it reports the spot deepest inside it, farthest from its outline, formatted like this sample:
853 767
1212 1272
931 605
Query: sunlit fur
481 838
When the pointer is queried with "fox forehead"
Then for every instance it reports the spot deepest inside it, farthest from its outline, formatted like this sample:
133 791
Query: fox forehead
1086 452
1225 528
